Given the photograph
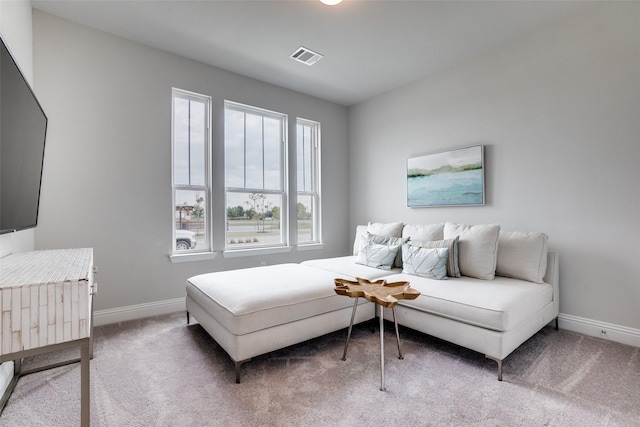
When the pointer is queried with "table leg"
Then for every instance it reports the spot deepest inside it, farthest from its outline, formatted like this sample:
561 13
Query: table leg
353 316
84 384
382 387
393 310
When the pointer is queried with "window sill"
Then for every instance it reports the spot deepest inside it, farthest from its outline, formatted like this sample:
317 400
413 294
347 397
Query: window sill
310 247
236 253
192 257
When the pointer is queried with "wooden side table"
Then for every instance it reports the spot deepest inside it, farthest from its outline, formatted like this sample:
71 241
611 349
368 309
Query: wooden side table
46 298
384 295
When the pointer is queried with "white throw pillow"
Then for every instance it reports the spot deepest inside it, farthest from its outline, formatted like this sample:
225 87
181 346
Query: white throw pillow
424 262
522 255
378 256
477 248
423 231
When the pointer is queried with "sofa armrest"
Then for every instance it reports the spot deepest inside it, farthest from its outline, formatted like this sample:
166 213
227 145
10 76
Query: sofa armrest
552 276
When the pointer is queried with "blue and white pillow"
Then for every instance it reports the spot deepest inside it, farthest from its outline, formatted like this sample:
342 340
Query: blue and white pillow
453 270
386 240
425 262
377 256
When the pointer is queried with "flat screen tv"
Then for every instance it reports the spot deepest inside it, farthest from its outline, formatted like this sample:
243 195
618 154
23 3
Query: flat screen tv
23 129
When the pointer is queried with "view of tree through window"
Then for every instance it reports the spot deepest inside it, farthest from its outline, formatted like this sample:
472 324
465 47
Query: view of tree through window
254 177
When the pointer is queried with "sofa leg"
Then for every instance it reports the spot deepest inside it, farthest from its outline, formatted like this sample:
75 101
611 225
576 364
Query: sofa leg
238 364
499 362
557 328
238 372
188 318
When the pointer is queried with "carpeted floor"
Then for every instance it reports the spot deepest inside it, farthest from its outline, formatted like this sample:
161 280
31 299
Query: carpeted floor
161 372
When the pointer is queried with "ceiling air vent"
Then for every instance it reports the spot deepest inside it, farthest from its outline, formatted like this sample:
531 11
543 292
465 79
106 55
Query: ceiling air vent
306 56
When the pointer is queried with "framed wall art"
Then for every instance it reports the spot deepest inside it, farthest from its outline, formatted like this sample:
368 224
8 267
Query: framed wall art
448 178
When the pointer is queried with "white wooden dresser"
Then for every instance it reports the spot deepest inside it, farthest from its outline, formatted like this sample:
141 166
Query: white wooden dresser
46 302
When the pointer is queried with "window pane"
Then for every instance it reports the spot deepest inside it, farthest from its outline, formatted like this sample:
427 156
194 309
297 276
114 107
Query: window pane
253 219
190 219
234 148
189 142
272 153
305 218
304 144
181 141
254 152
197 140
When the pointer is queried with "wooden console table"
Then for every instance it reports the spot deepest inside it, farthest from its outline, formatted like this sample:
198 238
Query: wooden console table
46 298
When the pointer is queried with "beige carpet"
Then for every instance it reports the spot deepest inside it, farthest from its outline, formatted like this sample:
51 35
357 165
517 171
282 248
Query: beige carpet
160 372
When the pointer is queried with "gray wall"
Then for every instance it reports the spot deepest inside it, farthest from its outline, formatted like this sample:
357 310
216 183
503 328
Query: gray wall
559 115
16 30
107 172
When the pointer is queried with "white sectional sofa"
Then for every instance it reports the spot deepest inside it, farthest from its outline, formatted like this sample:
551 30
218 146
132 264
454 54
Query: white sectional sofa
507 290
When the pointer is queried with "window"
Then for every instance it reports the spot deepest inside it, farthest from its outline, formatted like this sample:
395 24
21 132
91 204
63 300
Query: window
308 179
190 138
255 177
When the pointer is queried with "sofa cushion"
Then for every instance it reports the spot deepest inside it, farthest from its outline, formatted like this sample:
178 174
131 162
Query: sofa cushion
361 231
377 255
391 229
477 248
499 304
346 266
425 262
423 231
522 255
279 294
453 270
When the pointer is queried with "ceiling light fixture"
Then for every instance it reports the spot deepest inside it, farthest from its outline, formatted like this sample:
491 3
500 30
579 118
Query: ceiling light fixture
331 2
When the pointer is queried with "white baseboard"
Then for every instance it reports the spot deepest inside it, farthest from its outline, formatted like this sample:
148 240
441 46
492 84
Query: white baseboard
595 328
138 311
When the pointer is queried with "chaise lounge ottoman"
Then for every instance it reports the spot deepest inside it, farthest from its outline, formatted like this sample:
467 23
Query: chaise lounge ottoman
253 311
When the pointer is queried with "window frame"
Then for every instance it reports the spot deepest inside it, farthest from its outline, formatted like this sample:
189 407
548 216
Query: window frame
283 192
314 192
206 251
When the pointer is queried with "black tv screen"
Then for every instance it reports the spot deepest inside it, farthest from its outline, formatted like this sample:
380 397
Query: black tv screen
23 129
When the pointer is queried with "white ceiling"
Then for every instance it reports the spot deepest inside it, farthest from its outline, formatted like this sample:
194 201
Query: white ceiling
369 47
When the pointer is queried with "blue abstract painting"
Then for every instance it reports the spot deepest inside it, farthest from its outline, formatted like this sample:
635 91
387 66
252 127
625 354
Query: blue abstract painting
449 178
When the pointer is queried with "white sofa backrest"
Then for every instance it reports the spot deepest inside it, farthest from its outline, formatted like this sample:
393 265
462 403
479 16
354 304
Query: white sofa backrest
522 255
424 232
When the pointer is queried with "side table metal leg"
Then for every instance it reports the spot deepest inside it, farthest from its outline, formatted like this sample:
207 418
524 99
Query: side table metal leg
393 310
84 384
353 316
382 387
